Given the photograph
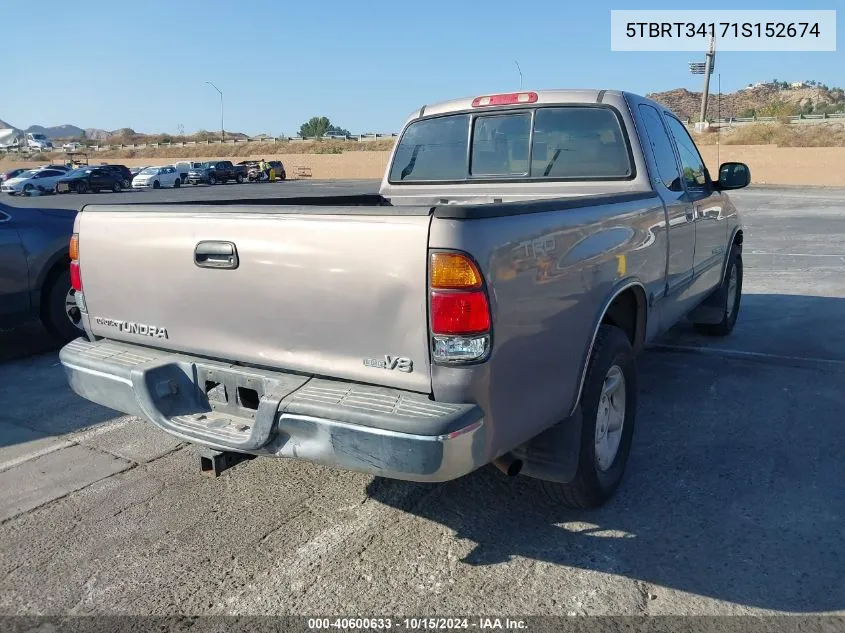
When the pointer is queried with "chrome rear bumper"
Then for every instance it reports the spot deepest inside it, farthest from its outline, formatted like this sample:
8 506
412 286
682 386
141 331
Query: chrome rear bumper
386 432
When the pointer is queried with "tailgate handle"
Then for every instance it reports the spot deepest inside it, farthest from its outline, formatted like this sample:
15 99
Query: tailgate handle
214 254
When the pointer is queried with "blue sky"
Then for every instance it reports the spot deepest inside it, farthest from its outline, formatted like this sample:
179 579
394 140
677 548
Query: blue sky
365 65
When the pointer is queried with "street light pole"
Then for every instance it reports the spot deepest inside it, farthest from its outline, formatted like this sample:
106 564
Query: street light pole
222 134
708 69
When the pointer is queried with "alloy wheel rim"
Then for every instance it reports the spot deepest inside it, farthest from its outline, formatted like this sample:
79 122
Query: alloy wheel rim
610 418
71 309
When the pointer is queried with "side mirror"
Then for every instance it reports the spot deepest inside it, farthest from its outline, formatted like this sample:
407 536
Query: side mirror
733 176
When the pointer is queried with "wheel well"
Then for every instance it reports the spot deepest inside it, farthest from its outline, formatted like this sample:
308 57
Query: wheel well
56 269
627 311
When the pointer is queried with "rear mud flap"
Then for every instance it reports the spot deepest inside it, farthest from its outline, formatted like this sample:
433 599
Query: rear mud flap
553 455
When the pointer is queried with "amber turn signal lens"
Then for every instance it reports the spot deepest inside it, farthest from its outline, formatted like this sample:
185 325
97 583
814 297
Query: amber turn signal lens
74 247
453 271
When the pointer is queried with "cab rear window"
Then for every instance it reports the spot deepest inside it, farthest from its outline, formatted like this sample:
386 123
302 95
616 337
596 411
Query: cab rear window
568 143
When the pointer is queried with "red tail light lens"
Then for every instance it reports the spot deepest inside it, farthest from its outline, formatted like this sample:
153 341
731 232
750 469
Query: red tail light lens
459 312
75 276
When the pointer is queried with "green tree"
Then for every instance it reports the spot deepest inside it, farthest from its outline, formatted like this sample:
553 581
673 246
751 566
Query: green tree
319 126
315 127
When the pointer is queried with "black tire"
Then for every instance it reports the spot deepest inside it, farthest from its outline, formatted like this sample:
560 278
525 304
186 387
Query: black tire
27 189
81 187
53 313
726 325
240 179
211 180
592 487
177 183
156 184
283 176
116 187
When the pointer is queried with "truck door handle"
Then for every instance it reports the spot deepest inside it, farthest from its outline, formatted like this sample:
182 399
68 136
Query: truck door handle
214 254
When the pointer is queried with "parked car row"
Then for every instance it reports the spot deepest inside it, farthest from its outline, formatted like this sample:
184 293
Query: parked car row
105 177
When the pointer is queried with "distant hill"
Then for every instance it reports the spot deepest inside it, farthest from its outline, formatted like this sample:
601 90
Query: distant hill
57 131
765 100
96 134
4 126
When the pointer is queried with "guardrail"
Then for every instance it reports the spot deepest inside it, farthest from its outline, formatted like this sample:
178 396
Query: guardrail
796 118
231 141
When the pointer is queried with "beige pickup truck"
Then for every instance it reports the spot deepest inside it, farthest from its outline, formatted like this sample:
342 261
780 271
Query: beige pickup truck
486 307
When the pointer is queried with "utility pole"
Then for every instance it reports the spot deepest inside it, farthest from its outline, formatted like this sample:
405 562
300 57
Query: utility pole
708 70
222 134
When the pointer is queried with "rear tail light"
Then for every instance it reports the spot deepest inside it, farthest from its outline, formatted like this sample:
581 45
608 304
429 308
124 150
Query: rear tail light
75 277
75 273
459 309
459 312
512 98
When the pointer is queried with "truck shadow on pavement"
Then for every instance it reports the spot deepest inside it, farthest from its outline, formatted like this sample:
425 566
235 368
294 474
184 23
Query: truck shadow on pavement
734 489
35 399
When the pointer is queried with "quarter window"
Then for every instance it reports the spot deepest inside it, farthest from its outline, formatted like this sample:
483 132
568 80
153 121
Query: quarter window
661 148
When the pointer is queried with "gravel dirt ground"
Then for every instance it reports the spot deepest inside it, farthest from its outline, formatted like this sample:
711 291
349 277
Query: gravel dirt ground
733 502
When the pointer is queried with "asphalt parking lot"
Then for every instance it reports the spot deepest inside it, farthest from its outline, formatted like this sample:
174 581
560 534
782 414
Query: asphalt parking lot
230 190
733 502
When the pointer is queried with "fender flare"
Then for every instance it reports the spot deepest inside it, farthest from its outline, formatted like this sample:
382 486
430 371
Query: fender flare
617 290
731 248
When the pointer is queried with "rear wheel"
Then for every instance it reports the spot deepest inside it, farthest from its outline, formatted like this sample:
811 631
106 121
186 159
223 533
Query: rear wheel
59 313
731 290
608 405
240 179
81 187
156 184
177 183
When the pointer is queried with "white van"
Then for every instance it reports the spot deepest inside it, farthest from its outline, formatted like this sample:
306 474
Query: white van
39 142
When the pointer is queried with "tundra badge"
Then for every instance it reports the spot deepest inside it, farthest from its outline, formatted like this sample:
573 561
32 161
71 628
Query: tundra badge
130 327
391 362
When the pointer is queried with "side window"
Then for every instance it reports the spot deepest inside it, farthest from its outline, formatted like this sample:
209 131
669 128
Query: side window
661 147
694 172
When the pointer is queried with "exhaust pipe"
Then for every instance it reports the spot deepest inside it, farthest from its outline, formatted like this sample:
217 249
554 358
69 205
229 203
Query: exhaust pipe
508 464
